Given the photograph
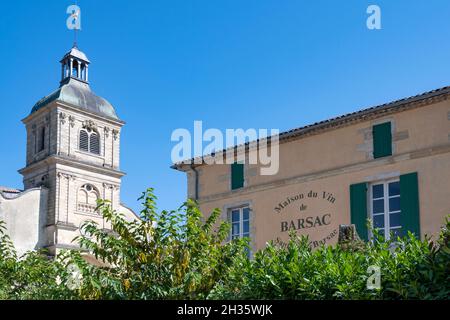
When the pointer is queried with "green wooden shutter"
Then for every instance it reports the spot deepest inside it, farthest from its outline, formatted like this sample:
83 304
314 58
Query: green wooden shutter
358 208
409 203
237 176
382 140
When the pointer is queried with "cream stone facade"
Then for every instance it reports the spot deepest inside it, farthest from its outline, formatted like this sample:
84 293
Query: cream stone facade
328 176
19 209
72 160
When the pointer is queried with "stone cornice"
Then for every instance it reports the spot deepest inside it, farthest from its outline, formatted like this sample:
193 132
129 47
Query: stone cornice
60 159
69 107
66 226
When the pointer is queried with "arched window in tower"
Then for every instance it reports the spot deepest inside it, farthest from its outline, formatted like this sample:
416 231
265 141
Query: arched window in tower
90 141
84 140
87 198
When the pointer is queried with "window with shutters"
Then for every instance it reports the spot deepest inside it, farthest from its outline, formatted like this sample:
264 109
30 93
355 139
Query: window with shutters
385 208
393 206
382 140
89 141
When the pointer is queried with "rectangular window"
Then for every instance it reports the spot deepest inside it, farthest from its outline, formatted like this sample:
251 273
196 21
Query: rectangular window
237 176
240 222
382 140
41 139
385 208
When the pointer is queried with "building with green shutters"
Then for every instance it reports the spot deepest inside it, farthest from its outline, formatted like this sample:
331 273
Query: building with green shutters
389 164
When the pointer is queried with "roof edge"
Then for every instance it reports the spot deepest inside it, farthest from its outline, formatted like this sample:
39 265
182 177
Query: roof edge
20 194
64 104
335 122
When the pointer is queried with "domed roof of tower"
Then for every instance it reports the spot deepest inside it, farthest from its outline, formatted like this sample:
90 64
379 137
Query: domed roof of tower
74 87
80 95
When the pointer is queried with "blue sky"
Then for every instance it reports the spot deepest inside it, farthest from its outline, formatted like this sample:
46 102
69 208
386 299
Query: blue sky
230 63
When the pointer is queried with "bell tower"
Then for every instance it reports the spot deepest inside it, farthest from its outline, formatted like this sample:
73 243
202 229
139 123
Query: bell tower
73 149
75 65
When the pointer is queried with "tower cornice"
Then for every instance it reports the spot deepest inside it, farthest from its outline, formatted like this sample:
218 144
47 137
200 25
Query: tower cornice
75 109
74 163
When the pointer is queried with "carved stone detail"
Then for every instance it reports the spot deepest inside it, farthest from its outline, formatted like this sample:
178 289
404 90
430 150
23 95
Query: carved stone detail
90 125
110 186
115 134
62 118
72 121
67 176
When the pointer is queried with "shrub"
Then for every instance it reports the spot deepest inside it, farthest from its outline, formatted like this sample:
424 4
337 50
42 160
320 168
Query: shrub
410 269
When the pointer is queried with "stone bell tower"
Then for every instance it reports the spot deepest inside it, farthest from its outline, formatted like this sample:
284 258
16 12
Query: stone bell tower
73 149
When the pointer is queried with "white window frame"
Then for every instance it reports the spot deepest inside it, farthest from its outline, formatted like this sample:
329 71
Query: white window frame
241 221
387 223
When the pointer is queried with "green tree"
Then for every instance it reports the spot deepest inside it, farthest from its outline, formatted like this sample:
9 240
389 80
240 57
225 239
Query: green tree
168 255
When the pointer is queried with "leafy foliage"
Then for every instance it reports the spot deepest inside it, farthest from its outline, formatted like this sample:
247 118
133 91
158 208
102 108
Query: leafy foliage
32 276
167 255
182 255
410 269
